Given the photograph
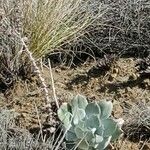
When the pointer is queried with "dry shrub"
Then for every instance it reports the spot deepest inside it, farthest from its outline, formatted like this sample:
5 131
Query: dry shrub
13 62
137 124
14 137
124 29
143 67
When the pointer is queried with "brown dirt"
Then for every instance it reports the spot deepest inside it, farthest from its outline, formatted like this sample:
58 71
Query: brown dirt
121 85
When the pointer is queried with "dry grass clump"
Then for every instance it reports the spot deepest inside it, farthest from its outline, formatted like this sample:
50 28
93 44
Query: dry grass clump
49 24
137 124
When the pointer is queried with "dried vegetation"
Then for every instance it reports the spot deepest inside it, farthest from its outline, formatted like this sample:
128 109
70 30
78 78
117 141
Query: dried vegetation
102 29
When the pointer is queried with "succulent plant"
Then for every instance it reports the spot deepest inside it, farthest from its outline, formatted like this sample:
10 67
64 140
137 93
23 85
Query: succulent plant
89 125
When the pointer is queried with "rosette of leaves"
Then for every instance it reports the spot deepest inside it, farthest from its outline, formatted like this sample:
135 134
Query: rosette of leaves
88 126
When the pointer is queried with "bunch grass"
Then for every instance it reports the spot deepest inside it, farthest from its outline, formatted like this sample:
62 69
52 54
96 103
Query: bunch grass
49 24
